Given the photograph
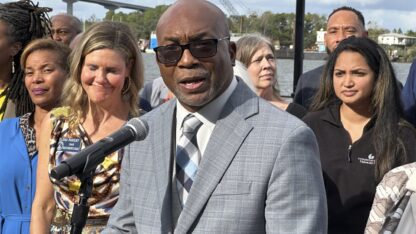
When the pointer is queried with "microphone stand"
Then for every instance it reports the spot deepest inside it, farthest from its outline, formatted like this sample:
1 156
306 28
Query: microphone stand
80 210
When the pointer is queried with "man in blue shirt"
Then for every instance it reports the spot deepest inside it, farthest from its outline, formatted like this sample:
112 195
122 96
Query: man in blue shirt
409 95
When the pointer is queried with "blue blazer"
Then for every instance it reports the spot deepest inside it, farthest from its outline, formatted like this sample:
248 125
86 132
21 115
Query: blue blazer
17 179
409 95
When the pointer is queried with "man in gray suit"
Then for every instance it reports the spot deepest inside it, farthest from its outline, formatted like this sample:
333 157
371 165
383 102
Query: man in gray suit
258 169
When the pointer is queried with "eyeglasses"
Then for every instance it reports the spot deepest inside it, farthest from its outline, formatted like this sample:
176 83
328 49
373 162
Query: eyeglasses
171 54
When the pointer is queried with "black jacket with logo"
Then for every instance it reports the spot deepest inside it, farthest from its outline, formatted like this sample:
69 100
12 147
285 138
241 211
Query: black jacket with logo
348 169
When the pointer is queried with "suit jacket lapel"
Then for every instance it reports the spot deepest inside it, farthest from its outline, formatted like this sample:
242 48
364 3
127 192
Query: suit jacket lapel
162 145
230 131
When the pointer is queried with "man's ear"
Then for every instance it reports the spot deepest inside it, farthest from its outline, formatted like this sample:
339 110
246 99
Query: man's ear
232 50
15 48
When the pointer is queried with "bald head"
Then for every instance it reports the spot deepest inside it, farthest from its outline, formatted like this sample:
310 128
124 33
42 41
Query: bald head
74 43
194 9
196 35
65 27
343 22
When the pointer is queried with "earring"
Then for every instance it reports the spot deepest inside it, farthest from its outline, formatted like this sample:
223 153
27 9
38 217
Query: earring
126 86
13 69
125 91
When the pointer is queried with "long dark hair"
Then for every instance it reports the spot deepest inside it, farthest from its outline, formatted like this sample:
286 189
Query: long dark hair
25 21
386 107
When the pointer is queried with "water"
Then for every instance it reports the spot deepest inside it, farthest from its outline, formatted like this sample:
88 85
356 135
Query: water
284 71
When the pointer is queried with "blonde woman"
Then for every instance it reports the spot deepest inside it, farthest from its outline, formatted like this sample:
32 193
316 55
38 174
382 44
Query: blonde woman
106 74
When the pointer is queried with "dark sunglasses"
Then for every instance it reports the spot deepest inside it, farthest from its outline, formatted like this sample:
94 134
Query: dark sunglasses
171 54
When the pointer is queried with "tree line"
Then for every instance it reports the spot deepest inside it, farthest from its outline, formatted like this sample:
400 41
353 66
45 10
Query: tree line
279 27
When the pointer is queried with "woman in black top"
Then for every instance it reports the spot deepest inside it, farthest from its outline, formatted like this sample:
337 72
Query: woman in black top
358 121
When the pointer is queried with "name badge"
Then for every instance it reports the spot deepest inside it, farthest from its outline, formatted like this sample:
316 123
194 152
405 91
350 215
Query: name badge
72 145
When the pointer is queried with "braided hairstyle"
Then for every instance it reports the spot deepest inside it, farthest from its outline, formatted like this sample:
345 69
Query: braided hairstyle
25 21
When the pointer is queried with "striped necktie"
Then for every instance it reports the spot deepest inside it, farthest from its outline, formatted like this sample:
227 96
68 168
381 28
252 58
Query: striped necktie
187 156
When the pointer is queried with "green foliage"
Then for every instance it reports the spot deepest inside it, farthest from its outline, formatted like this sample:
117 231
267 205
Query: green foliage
90 21
279 27
411 33
313 23
142 24
411 53
373 33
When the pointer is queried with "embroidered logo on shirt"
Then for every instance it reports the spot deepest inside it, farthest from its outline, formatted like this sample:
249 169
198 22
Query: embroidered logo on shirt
371 156
369 160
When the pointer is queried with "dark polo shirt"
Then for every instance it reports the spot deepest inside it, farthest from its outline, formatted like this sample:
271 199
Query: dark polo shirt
348 169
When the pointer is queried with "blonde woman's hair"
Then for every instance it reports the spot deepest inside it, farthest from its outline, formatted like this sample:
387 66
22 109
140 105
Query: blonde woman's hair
103 35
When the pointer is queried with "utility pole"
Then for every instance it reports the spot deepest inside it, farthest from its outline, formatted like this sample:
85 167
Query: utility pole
70 6
298 63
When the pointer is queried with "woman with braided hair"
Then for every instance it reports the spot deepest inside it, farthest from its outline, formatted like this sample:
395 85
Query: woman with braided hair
20 23
46 69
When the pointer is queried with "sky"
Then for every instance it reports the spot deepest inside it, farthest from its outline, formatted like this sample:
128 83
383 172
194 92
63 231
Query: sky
388 14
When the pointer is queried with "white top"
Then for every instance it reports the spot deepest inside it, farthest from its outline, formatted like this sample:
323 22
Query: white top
240 70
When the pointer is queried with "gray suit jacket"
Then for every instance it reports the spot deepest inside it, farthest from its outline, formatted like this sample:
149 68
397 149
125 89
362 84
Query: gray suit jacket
260 174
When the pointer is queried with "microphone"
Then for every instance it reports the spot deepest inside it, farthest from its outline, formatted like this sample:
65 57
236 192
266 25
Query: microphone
90 157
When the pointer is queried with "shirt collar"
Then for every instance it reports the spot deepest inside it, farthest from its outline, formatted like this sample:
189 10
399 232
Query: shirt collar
210 113
332 115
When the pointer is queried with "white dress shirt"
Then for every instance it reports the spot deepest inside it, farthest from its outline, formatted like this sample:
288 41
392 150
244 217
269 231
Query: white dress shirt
208 115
